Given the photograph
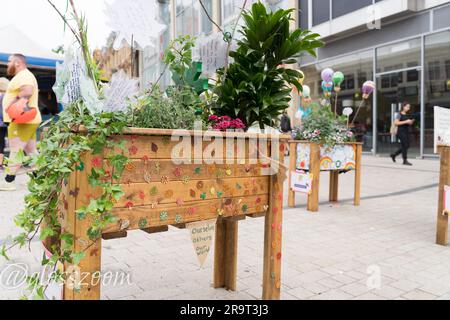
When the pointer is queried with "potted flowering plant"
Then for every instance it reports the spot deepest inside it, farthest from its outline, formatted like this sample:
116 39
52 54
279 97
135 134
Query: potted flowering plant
322 127
225 123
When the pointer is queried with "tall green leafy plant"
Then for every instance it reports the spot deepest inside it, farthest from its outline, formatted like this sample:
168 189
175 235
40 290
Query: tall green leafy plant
257 85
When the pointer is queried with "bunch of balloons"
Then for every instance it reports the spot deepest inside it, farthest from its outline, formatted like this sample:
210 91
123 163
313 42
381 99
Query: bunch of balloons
327 83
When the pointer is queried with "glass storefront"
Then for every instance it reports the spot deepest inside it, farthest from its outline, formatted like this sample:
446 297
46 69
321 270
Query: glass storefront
437 81
399 79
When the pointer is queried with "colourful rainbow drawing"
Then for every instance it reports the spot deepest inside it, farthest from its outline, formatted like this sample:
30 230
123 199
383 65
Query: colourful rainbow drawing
325 163
350 166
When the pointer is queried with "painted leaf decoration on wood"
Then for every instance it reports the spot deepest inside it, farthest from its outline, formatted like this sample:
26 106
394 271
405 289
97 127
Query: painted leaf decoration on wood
154 147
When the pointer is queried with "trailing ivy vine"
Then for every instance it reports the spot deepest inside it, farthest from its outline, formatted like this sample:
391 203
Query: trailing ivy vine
61 153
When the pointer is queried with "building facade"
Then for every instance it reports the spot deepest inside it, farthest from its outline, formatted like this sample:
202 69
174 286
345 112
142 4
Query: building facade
402 45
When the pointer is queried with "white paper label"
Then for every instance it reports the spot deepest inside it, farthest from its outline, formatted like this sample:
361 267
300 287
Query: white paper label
202 233
301 182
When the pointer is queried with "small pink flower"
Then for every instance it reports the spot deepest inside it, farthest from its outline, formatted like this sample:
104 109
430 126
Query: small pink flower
213 118
97 162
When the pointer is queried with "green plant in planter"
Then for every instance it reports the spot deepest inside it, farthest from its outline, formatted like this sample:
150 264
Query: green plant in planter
180 105
256 87
165 112
323 127
186 73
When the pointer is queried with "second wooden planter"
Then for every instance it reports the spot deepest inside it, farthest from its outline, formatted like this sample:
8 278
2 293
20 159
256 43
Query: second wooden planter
315 158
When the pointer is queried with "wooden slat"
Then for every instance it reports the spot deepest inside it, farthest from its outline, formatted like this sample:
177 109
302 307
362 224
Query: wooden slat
444 179
292 168
358 165
115 235
225 254
90 265
257 215
140 171
162 147
142 194
334 186
68 224
273 237
156 229
171 214
314 167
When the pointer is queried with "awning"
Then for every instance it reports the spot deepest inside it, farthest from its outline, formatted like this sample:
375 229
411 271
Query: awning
13 41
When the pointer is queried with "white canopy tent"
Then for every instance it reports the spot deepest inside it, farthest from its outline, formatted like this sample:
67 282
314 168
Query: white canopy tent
12 40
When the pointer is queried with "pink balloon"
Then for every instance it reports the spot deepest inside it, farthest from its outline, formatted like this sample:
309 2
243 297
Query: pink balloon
327 75
368 88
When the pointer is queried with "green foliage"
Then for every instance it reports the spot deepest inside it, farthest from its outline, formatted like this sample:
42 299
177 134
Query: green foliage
178 57
60 153
323 127
166 112
180 105
256 87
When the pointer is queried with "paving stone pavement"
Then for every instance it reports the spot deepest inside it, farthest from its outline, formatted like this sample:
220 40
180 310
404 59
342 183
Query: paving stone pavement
384 249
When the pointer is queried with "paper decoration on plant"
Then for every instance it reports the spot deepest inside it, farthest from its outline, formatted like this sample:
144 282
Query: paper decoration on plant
134 19
202 235
327 75
367 89
338 78
327 87
211 51
67 87
119 91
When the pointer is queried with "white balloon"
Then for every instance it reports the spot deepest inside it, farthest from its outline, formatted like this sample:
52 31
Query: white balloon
347 112
306 91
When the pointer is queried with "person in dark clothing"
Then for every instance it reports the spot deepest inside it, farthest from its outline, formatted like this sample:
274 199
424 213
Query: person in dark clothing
403 121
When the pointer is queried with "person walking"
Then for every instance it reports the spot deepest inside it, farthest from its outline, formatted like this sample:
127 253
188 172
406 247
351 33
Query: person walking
403 121
3 127
23 89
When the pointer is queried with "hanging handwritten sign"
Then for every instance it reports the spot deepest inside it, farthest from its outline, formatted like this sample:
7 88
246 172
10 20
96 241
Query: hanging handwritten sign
67 87
120 89
134 20
202 234
211 51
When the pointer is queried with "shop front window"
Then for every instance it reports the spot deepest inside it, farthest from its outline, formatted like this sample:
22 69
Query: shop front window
399 82
437 81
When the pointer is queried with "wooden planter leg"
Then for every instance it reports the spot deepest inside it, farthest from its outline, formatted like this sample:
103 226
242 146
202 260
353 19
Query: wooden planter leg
442 219
225 254
84 280
358 159
273 240
314 167
334 186
292 168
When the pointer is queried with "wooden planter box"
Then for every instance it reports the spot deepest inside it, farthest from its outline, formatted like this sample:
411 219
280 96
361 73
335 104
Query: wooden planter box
444 180
160 193
315 158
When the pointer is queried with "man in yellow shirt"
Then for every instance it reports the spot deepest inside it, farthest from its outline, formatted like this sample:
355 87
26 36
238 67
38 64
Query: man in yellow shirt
20 136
